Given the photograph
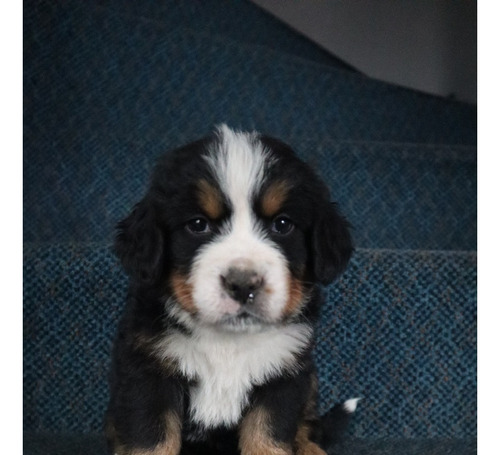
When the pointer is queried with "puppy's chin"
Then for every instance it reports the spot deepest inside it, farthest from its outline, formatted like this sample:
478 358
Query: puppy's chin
245 321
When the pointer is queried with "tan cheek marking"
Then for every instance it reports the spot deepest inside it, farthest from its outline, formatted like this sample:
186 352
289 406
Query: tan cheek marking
255 436
296 296
183 292
210 200
274 198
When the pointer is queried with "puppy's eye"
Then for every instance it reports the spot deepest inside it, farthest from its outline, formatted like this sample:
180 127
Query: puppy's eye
282 225
199 225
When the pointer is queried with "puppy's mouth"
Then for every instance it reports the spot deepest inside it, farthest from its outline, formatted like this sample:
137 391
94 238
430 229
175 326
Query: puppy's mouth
245 319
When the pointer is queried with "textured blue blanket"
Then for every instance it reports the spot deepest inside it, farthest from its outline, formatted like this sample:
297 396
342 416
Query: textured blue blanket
398 330
111 85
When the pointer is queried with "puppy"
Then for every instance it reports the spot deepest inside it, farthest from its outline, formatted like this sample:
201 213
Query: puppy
225 255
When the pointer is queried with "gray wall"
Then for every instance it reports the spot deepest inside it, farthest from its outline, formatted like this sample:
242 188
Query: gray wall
428 45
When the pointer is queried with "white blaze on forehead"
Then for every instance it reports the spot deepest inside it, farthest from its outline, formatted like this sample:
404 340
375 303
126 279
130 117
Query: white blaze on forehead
238 162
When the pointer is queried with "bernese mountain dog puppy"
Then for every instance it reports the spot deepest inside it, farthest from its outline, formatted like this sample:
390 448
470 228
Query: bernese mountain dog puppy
226 254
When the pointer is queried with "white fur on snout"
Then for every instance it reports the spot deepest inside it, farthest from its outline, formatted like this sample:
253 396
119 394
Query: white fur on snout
214 261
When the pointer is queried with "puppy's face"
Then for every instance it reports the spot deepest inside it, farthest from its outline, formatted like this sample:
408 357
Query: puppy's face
236 230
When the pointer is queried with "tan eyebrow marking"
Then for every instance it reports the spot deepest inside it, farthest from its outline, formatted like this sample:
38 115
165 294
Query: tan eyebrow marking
210 200
274 198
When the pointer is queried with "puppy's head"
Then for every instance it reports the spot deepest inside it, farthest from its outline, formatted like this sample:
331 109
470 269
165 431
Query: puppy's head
235 231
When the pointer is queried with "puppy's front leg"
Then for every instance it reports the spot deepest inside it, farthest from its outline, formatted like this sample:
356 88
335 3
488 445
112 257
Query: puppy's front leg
170 443
256 435
304 444
281 418
145 411
256 438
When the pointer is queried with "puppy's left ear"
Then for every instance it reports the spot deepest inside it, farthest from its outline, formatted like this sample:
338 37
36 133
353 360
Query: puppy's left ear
332 244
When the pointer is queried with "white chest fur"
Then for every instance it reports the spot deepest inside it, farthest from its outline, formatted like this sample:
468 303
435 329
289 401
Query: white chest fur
226 366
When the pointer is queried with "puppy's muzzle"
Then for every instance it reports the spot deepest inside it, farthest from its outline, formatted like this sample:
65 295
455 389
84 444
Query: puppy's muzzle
242 285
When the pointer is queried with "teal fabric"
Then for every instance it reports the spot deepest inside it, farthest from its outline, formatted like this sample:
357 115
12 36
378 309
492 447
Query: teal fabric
107 92
109 86
398 330
43 444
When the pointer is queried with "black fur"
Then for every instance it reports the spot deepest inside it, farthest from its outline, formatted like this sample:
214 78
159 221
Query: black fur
153 243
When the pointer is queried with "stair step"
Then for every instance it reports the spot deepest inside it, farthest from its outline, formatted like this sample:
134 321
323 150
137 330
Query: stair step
395 195
126 80
398 329
410 196
95 443
242 22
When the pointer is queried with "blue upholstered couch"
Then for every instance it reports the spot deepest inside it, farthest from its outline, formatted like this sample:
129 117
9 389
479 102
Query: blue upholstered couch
111 85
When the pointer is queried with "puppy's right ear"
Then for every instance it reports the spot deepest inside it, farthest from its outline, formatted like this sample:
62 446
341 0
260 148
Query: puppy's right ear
332 243
139 244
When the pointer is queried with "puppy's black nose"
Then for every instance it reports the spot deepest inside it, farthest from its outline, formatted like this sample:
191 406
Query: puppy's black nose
242 285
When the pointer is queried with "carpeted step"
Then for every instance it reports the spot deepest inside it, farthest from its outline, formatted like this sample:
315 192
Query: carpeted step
95 444
97 78
240 21
409 196
395 195
109 86
398 329
106 89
